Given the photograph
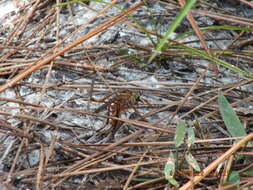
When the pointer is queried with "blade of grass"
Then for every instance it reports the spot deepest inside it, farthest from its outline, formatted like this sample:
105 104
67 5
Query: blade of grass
214 27
218 61
196 29
189 4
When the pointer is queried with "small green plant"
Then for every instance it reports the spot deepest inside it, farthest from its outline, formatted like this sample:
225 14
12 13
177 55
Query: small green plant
179 139
233 125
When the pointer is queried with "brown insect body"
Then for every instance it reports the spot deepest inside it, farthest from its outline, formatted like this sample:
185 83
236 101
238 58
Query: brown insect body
117 102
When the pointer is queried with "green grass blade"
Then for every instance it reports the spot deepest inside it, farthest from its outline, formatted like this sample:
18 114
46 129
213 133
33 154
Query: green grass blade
214 27
231 120
218 61
189 4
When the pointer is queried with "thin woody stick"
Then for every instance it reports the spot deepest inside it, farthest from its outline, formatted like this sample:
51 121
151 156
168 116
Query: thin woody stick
92 33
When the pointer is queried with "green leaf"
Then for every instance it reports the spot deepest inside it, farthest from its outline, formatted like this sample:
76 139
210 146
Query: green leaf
180 133
192 161
191 136
234 177
172 181
169 170
231 120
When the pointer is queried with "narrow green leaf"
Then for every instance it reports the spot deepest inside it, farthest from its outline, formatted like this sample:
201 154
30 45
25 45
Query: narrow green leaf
214 27
202 53
231 120
180 133
191 136
189 4
192 161
217 61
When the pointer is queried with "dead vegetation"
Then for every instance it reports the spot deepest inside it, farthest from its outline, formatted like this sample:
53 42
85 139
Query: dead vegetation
81 108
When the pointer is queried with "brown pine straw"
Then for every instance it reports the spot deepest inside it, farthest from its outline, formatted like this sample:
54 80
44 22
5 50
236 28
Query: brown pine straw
40 169
87 36
215 163
78 166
